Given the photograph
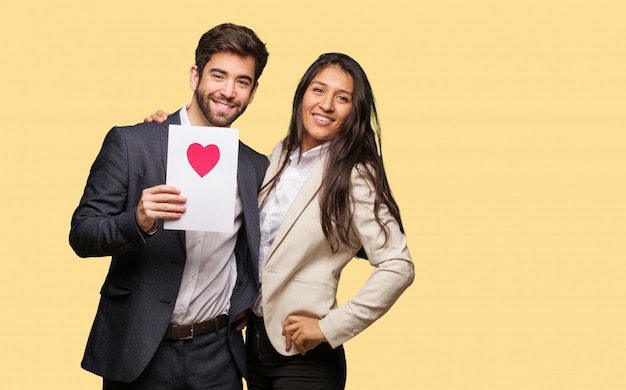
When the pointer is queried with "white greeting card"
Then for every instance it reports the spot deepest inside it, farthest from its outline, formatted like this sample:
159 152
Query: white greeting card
202 162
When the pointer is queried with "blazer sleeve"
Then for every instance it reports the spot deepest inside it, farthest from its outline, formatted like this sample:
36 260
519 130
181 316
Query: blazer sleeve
104 222
393 267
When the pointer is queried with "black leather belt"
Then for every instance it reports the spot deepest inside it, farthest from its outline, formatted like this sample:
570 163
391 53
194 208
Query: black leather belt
189 331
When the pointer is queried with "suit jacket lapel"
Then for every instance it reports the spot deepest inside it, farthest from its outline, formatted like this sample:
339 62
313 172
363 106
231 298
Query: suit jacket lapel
247 182
173 119
244 179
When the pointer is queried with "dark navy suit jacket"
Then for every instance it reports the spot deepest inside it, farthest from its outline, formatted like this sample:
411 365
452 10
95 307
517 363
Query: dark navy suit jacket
140 289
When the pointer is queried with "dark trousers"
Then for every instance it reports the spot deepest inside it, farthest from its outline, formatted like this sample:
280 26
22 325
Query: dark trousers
204 362
322 368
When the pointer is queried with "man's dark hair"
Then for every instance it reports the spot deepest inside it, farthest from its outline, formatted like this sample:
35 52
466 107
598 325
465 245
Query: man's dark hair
231 38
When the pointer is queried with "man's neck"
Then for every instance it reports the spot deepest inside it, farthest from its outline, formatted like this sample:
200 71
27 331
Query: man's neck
195 115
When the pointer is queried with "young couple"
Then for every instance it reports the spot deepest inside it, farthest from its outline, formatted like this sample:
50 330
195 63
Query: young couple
174 303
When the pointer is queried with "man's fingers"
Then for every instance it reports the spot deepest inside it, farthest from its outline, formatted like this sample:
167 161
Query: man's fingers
162 189
162 198
165 215
160 205
240 321
160 202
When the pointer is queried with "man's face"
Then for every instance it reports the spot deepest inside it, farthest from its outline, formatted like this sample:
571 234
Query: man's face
225 88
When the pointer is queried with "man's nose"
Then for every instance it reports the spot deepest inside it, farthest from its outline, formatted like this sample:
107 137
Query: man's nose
229 90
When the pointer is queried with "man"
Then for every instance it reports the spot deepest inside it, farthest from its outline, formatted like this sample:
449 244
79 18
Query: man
173 303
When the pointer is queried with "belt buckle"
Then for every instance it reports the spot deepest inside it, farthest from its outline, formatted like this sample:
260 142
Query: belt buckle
190 332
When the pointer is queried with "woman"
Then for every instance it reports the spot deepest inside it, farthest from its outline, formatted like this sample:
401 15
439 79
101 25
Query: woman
325 197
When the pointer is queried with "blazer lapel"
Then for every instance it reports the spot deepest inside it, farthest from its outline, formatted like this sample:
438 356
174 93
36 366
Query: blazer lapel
173 119
276 160
304 199
247 183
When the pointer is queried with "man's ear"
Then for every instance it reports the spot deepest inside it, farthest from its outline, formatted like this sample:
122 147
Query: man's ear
194 77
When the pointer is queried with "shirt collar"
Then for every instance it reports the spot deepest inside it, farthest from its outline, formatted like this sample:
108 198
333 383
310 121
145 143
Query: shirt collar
316 152
184 118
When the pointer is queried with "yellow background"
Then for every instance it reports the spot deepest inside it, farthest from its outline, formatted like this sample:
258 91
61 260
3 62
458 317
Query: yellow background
503 135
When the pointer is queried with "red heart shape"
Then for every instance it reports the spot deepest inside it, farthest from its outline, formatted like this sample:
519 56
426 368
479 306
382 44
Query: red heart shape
203 159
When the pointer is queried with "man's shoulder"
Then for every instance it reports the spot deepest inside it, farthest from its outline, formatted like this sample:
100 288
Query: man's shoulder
139 127
146 129
253 154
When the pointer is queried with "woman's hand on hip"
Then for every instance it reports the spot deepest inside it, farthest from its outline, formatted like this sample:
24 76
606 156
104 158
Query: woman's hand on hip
300 329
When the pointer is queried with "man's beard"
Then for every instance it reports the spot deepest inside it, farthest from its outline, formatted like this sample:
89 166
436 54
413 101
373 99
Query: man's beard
218 119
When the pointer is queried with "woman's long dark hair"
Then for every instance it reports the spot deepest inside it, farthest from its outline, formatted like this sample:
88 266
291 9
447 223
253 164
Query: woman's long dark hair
356 144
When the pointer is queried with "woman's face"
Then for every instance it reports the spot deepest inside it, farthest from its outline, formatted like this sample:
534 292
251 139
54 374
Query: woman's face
326 104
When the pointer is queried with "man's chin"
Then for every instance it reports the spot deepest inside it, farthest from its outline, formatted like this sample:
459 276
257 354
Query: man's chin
221 122
225 121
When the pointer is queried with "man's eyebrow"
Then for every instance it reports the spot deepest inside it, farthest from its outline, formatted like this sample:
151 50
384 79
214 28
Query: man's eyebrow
222 71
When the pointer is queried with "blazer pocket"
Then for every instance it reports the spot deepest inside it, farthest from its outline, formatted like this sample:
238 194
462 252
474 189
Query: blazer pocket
312 283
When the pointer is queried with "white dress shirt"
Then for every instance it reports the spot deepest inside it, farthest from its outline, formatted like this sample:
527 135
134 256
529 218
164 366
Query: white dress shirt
278 201
210 269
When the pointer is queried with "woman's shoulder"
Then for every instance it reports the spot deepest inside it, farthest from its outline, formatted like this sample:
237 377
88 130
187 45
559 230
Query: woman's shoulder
362 181
362 172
